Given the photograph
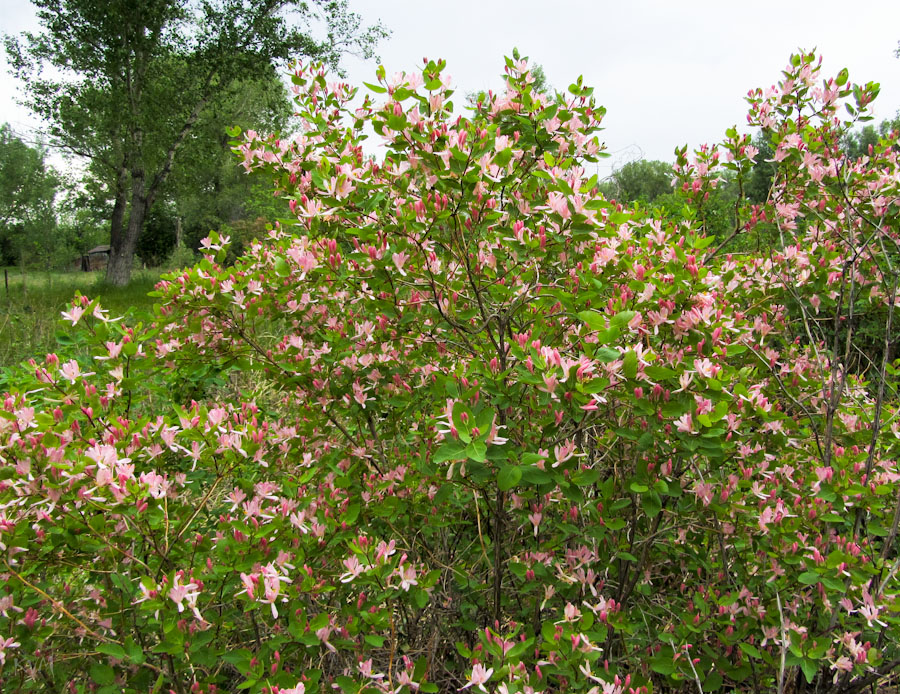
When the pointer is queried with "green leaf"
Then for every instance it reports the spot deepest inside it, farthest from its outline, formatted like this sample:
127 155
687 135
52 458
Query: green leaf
508 477
606 354
453 450
622 318
810 668
595 321
657 373
604 337
346 684
652 504
352 514
461 413
135 653
102 673
584 478
502 157
750 649
713 682
477 451
534 475
377 88
630 364
281 267
809 578
663 665
112 649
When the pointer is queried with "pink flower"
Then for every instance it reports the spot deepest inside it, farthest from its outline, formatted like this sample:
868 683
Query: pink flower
73 315
563 452
4 644
705 368
478 677
407 574
179 592
399 261
558 203
535 519
685 423
249 584
70 371
354 569
272 586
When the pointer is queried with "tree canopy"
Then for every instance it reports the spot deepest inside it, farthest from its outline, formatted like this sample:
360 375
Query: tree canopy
28 189
137 78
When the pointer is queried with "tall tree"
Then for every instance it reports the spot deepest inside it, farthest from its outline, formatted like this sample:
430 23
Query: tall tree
135 79
209 192
643 180
27 190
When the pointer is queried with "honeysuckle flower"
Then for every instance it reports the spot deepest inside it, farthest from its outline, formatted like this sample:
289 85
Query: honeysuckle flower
5 644
74 314
479 677
407 575
354 569
685 424
180 592
71 371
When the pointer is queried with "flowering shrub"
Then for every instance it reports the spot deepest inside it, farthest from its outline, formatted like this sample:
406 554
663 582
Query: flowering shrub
459 423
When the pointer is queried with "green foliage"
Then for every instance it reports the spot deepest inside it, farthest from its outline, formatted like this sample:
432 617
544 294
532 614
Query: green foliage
30 308
458 422
210 193
639 181
27 192
159 239
137 80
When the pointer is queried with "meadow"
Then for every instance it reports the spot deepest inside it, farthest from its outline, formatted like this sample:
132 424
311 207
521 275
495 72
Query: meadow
31 306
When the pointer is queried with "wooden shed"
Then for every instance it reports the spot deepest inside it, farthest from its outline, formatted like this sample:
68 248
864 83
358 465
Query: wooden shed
95 259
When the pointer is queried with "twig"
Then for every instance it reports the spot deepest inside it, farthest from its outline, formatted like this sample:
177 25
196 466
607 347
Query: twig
781 625
56 604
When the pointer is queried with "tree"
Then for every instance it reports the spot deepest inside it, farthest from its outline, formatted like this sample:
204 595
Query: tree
209 192
137 78
642 180
859 142
457 422
27 192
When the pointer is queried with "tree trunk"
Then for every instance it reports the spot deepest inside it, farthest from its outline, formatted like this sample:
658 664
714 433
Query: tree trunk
123 243
117 227
121 252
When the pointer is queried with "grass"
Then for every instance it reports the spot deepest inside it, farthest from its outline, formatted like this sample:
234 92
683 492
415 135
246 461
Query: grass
30 306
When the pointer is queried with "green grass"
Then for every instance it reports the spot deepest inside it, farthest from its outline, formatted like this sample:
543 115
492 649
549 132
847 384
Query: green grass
30 308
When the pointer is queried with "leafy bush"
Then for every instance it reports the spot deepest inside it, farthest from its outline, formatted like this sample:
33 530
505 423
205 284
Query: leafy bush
467 425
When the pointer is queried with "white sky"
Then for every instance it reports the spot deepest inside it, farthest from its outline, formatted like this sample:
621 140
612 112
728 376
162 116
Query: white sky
669 73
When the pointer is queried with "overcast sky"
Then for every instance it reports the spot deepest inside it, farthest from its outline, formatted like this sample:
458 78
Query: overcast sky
669 73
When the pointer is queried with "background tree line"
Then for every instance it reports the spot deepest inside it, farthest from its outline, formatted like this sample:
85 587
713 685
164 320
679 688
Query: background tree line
143 93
